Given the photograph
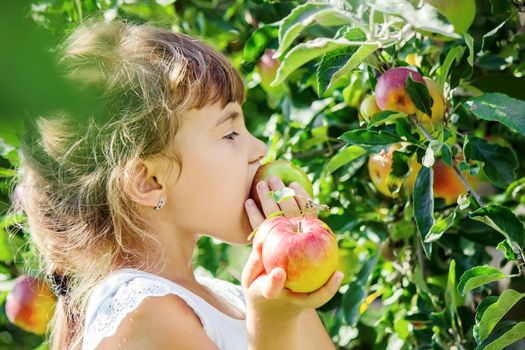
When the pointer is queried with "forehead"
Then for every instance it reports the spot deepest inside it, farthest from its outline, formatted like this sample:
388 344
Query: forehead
208 116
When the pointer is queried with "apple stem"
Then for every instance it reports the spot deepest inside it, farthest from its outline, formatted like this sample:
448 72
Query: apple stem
470 190
383 64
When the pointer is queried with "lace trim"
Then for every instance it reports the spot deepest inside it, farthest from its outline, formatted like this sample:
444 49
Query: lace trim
127 298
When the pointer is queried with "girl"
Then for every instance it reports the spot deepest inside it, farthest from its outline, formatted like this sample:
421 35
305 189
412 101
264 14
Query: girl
116 202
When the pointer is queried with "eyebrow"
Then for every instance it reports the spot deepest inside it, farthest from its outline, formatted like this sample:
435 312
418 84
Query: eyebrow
230 115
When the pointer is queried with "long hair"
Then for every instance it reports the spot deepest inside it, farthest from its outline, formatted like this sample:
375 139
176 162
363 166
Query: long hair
72 170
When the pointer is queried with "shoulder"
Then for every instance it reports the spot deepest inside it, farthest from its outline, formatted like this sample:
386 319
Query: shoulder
159 322
131 302
231 292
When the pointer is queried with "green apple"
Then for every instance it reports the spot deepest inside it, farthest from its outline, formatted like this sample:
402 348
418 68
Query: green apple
286 171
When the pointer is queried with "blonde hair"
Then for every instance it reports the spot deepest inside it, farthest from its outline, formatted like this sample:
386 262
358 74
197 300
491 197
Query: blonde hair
72 170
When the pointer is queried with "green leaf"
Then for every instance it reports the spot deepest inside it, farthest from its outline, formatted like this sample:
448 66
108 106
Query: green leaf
259 41
343 157
495 312
423 17
452 297
454 54
503 220
385 117
511 336
357 292
470 44
446 155
418 93
7 172
478 276
283 194
303 16
499 107
483 305
500 329
304 53
336 64
398 171
441 226
404 129
423 200
499 162
6 252
165 2
366 137
507 250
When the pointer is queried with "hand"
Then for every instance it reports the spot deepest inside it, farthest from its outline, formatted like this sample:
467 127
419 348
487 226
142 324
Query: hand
266 292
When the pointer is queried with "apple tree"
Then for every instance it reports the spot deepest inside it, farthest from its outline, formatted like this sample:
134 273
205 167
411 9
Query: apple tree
408 117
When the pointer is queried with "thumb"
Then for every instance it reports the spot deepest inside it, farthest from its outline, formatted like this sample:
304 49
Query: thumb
274 283
253 267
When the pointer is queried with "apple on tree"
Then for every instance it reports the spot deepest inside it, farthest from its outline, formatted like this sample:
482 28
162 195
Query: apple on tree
268 66
447 184
30 304
368 108
379 166
438 106
391 93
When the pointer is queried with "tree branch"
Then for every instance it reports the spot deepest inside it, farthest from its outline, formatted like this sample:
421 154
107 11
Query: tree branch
470 190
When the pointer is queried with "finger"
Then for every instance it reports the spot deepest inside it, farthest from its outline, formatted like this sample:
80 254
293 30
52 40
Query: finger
254 266
254 214
301 199
289 206
268 204
322 295
274 283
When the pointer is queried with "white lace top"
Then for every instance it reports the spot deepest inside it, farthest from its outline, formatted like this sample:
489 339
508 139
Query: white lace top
123 290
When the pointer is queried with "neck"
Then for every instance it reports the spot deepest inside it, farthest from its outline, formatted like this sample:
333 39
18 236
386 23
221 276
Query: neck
178 251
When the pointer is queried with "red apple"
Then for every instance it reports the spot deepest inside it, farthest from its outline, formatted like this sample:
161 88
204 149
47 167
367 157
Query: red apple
447 184
438 107
304 247
30 304
268 67
391 91
286 171
379 166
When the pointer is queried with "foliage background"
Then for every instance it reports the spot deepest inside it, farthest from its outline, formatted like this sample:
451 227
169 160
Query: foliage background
393 297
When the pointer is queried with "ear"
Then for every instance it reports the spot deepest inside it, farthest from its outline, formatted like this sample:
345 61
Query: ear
143 183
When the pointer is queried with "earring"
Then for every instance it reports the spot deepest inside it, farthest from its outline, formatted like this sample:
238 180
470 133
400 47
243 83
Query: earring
160 205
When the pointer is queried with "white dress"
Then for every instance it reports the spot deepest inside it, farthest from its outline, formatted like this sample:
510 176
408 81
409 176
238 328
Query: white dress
123 290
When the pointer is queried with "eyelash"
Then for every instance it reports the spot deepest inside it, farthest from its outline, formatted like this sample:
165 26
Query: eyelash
231 136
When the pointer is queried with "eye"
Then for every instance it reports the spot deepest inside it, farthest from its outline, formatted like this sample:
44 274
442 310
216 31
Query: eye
231 136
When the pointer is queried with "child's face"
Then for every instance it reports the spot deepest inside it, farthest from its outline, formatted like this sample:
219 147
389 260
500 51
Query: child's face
219 161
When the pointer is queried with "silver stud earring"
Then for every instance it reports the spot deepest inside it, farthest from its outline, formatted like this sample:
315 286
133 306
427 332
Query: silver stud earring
160 205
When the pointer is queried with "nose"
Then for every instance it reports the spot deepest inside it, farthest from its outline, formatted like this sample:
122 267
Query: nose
259 150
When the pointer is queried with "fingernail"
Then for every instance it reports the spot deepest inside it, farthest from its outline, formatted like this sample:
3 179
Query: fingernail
250 202
262 185
273 180
293 184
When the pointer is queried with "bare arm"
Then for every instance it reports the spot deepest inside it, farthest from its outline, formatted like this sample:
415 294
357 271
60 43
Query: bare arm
313 333
165 322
